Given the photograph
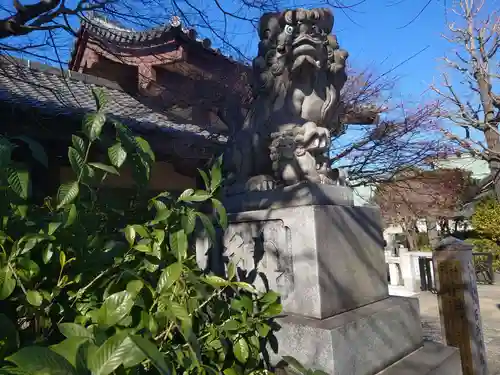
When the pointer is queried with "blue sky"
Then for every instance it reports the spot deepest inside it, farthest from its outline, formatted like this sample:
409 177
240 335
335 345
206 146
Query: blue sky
372 32
380 39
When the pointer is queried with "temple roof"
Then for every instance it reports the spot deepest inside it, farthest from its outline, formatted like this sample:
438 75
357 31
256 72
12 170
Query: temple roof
113 32
31 85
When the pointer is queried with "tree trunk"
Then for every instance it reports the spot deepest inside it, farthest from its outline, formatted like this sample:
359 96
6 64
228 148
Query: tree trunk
410 232
432 231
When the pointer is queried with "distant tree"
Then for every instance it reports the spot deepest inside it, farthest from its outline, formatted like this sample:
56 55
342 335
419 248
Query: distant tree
468 86
419 194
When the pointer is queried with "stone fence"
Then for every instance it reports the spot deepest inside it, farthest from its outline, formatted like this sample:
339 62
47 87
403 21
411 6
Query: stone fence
404 270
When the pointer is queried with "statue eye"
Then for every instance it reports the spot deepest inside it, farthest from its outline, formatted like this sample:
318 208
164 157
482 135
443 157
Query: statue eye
289 29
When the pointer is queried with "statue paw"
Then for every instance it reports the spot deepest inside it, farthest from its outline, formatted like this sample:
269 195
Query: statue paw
261 183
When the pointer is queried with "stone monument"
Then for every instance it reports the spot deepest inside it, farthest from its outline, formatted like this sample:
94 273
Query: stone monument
293 226
459 303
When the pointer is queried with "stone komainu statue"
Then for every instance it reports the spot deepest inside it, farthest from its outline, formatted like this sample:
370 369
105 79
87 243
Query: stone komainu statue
298 75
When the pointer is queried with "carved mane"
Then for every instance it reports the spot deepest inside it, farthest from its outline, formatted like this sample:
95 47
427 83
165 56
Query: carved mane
298 73
271 66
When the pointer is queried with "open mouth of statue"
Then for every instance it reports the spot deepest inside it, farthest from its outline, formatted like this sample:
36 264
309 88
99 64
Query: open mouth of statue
305 50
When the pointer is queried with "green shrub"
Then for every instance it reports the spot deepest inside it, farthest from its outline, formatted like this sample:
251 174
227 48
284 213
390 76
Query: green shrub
486 223
95 285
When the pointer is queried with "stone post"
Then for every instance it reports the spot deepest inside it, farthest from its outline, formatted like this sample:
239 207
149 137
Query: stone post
459 303
408 273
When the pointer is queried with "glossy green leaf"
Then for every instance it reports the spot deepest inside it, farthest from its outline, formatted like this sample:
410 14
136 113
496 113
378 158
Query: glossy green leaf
47 253
42 361
37 150
117 155
188 221
185 195
134 357
241 350
52 227
263 329
231 270
110 355
126 137
216 177
105 168
22 210
34 298
130 234
141 231
145 147
230 371
169 276
134 287
79 145
19 181
254 341
100 98
231 325
215 281
197 196
179 243
7 283
93 124
70 349
162 214
152 353
178 311
243 303
270 297
295 365
209 226
27 268
67 193
205 178
274 309
62 259
221 212
70 215
74 330
116 307
159 235
76 160
143 248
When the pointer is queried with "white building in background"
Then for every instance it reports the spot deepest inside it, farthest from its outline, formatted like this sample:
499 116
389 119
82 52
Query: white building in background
479 168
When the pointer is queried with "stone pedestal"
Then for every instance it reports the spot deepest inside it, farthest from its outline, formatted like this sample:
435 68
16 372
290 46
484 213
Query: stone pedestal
326 259
459 303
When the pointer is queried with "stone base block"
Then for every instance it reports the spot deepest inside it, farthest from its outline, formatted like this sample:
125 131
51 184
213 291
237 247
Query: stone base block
323 260
431 359
358 342
302 194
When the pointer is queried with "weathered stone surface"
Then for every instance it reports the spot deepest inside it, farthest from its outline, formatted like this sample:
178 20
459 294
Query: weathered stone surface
358 342
324 260
431 359
303 194
459 303
298 75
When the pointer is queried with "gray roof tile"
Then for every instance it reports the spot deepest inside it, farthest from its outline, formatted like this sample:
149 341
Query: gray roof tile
56 92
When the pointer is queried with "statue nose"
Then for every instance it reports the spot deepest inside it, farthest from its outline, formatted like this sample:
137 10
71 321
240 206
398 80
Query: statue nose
305 28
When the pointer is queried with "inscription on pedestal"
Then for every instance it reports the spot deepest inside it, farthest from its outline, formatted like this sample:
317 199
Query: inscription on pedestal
456 326
459 304
262 254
